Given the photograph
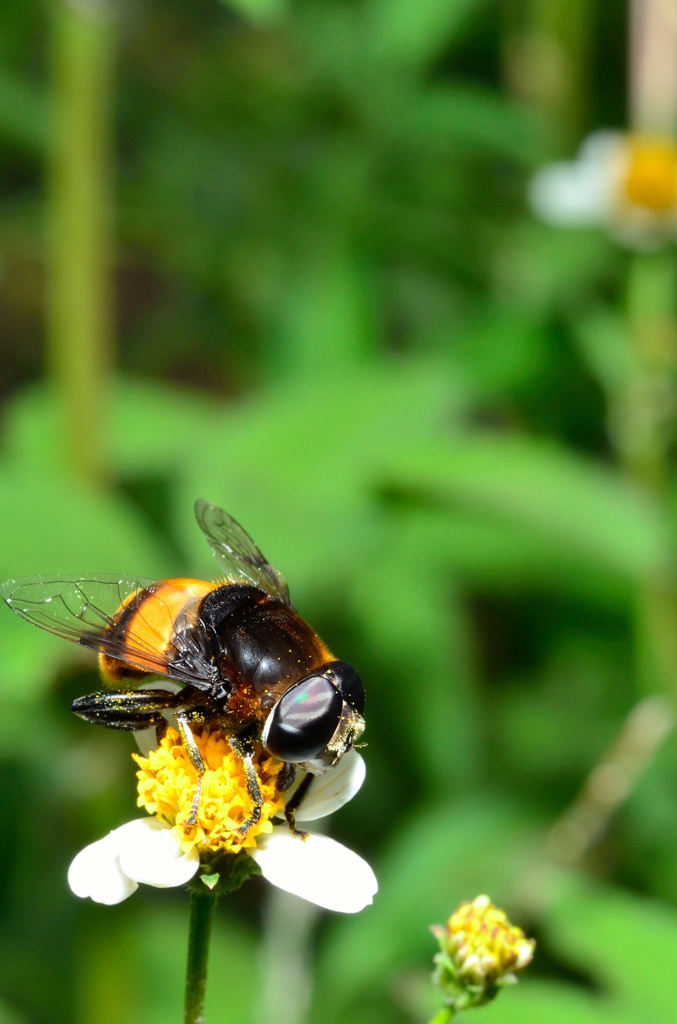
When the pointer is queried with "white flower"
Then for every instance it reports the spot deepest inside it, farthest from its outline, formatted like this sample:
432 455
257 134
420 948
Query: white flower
624 182
317 868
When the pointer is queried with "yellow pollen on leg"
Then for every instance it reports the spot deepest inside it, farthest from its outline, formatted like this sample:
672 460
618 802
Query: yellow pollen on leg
650 175
167 785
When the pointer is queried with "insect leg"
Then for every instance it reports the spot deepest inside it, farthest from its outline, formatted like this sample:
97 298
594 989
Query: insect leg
286 777
198 764
294 803
244 750
129 710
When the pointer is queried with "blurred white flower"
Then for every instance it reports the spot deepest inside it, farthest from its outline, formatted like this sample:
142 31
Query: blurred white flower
624 182
156 852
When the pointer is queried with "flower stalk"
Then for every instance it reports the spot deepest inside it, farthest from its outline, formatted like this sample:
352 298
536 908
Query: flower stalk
203 902
79 310
652 419
650 412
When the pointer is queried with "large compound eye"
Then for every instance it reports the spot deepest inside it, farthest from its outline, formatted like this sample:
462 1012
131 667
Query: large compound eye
304 720
348 682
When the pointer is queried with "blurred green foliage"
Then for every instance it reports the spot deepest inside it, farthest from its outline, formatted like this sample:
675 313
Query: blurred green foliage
336 318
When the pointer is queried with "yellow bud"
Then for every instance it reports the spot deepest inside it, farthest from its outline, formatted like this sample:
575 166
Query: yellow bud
480 951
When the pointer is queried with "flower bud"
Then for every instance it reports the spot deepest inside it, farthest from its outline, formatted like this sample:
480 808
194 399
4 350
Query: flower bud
480 951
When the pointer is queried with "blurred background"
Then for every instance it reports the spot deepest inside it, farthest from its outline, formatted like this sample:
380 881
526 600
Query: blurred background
279 254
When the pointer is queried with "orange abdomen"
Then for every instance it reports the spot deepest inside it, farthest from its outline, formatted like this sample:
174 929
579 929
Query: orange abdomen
146 623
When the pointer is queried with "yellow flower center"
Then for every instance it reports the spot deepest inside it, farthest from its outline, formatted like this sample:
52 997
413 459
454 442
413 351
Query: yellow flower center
650 175
483 944
167 786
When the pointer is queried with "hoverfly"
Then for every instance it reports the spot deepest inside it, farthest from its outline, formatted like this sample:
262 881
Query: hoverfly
248 663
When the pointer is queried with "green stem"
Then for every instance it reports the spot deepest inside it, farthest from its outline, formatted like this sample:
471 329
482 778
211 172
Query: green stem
444 1015
650 312
649 414
80 301
202 907
546 58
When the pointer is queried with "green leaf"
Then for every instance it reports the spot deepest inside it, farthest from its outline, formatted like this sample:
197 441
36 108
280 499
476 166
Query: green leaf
561 497
536 1001
540 267
628 944
417 625
258 11
527 715
604 341
415 31
324 317
502 352
24 111
149 426
297 465
460 121
11 1016
504 556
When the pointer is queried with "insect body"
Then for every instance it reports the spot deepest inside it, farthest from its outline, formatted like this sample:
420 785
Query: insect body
247 662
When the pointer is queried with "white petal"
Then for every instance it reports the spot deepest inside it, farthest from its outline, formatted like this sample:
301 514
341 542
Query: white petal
317 869
95 872
602 147
566 194
334 788
146 740
150 854
580 191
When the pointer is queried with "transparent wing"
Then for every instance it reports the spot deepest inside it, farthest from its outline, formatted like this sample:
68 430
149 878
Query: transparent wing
84 609
237 554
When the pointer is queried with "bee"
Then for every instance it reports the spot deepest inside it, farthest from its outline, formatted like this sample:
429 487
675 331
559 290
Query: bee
246 661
